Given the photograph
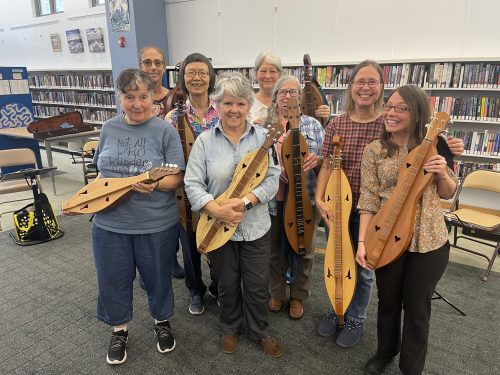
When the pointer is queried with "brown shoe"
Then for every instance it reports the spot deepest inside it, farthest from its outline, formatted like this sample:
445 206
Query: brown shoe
229 343
296 309
272 346
275 305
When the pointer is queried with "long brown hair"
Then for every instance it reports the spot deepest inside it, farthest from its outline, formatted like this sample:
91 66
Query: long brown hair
420 112
349 104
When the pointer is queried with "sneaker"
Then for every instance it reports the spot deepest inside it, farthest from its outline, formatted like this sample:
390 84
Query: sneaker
117 353
178 271
328 325
196 305
351 334
165 341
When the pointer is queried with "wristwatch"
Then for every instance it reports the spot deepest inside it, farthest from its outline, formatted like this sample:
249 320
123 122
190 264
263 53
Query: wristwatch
248 204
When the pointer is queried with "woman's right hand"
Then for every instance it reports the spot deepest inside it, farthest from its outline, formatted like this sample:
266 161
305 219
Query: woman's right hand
231 212
361 256
325 212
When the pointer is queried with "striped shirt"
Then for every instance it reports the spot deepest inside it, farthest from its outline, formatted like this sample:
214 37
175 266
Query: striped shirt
354 136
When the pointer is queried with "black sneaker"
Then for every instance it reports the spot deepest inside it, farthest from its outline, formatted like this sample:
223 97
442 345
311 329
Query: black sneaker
165 341
351 334
117 353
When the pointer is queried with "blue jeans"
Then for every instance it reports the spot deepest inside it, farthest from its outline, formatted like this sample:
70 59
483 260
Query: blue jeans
192 264
362 294
116 256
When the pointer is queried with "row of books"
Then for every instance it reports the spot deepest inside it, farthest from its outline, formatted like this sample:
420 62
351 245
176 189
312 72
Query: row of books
91 115
88 81
462 168
480 108
75 97
426 75
486 143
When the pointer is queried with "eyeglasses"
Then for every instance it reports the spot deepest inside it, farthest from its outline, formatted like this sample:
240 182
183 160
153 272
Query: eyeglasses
149 63
397 108
293 93
271 72
191 74
362 82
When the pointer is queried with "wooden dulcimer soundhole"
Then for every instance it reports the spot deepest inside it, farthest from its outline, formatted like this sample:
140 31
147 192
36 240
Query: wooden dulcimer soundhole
298 220
313 96
391 229
104 192
212 233
187 218
340 263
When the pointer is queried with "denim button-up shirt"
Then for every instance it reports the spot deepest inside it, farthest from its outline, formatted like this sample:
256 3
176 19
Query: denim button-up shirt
210 170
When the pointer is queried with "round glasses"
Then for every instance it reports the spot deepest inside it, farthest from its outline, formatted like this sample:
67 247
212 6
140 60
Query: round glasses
149 63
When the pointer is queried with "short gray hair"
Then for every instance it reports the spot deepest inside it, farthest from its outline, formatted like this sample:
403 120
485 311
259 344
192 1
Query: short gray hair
130 79
270 58
233 84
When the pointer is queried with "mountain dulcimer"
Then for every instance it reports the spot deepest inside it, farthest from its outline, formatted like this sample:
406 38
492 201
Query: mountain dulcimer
187 218
212 233
340 262
298 213
391 229
102 193
312 96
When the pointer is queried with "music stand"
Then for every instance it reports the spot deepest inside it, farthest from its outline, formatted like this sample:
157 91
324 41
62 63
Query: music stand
439 296
38 231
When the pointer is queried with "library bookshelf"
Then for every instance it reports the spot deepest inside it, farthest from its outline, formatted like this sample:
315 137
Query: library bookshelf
467 89
58 91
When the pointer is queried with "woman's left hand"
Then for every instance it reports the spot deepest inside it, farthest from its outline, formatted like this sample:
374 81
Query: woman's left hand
322 111
144 188
310 162
436 164
456 145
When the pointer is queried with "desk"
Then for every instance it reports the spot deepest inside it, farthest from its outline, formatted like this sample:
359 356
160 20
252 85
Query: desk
68 137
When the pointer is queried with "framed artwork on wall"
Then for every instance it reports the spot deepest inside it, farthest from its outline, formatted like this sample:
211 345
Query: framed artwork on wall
120 17
95 39
75 42
55 40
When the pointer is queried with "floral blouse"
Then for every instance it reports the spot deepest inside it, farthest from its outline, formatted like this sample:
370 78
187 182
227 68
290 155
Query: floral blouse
378 181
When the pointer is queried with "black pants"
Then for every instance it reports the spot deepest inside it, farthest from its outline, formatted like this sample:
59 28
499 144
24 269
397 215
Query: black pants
408 284
242 272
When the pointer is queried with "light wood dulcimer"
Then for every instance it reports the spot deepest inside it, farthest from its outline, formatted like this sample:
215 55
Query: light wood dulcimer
391 229
187 218
104 192
312 96
340 262
212 233
298 220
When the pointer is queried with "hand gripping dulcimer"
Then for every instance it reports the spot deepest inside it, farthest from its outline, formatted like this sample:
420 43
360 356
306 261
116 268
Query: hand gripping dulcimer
104 192
187 218
212 233
391 229
298 221
340 263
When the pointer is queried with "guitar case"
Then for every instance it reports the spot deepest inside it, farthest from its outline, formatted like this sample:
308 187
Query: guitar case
67 123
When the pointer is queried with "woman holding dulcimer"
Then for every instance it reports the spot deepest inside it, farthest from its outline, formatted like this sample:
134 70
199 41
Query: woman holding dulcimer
410 280
292 214
241 265
361 123
197 80
141 231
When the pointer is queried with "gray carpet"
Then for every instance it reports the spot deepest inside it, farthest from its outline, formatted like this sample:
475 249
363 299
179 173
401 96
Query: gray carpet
48 324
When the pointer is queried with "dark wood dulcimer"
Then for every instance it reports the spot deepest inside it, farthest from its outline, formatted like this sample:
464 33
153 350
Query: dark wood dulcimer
312 96
187 218
298 220
212 233
102 193
391 229
340 262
